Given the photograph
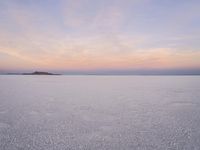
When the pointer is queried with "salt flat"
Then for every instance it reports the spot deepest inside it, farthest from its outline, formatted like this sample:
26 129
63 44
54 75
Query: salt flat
99 112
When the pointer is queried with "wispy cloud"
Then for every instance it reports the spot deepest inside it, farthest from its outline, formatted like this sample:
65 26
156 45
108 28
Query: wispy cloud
86 34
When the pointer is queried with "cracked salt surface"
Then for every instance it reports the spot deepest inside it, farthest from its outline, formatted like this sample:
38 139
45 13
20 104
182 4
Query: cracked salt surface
99 112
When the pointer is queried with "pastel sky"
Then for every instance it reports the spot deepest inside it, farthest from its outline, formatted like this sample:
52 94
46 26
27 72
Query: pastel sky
85 35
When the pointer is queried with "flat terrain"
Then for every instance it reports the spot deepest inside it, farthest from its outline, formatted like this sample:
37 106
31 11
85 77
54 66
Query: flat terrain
99 112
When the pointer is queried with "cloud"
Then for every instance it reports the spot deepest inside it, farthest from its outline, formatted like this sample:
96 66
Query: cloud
89 39
82 15
108 19
73 13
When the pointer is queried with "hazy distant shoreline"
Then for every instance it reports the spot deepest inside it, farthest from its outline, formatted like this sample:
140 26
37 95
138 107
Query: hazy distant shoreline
158 72
33 73
24 74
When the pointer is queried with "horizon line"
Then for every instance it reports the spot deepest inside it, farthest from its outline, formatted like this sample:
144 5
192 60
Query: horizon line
136 71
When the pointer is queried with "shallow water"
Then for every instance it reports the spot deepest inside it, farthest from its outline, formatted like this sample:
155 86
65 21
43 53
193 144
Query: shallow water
99 112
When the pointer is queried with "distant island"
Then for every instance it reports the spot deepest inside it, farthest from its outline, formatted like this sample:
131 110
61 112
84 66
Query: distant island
40 73
34 73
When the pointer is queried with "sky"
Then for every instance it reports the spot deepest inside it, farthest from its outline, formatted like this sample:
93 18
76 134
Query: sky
99 35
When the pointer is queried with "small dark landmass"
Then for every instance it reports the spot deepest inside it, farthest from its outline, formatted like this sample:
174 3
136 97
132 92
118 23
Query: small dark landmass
110 72
34 73
40 73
